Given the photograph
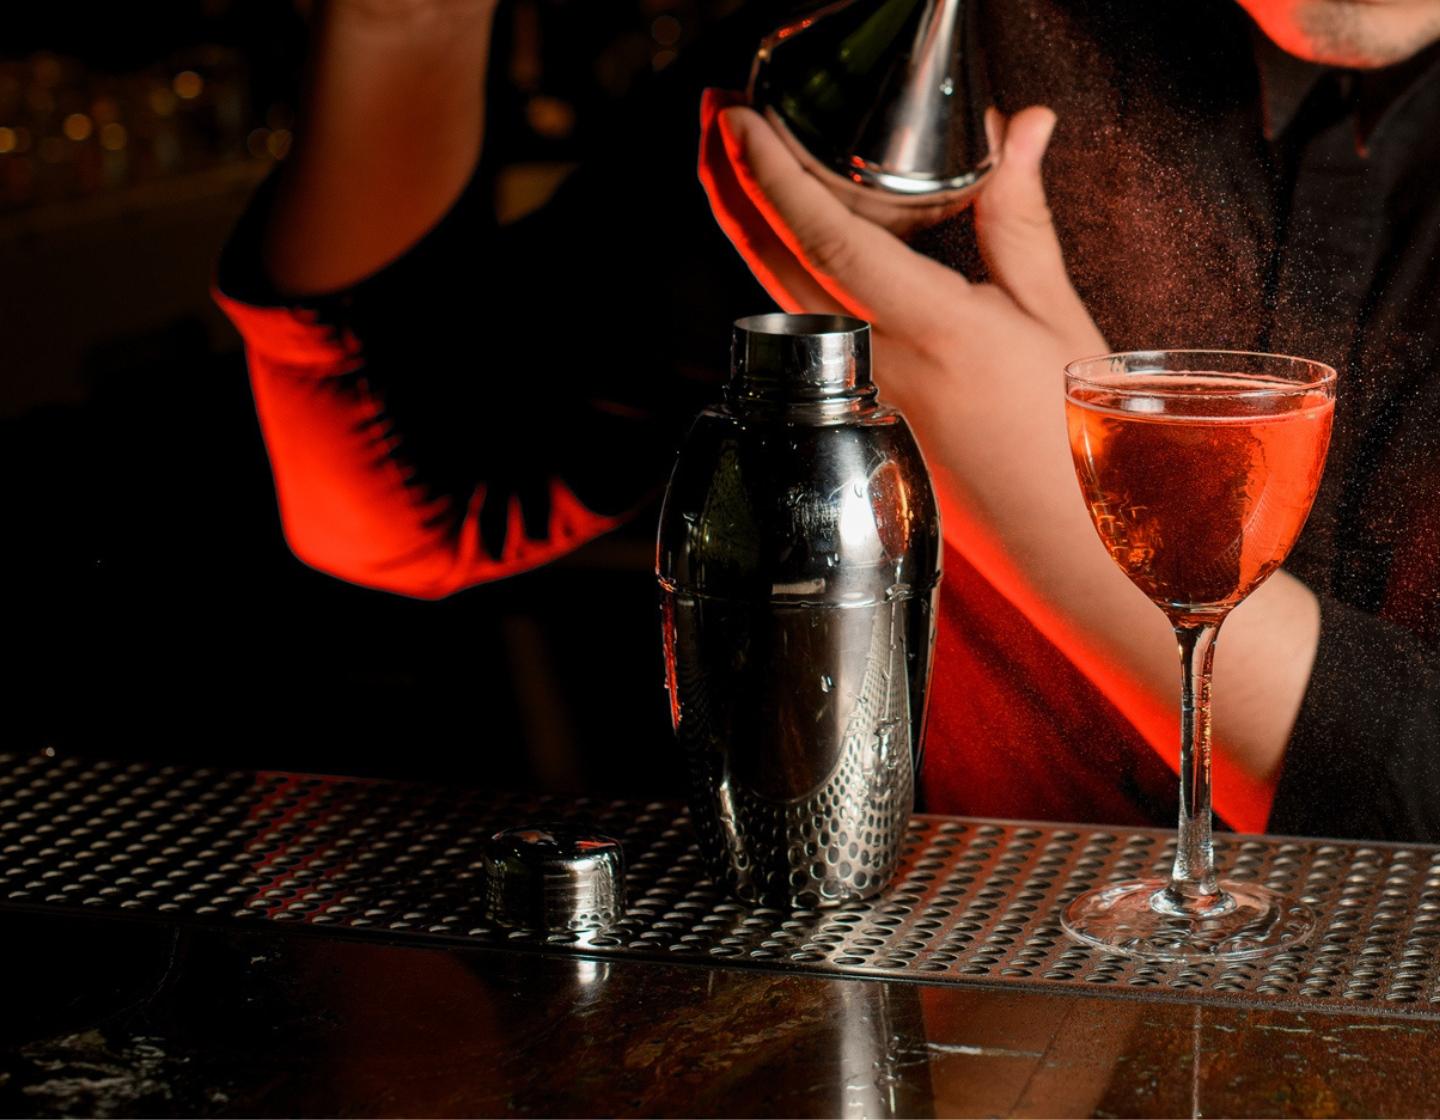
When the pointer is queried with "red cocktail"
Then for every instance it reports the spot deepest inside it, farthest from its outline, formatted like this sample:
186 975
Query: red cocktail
1199 469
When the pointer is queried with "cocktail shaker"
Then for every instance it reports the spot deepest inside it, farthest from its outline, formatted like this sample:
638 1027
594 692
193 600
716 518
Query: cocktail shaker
882 95
799 563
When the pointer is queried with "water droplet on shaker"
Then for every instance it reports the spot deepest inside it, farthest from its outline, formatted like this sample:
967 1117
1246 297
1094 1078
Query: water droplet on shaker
826 683
884 747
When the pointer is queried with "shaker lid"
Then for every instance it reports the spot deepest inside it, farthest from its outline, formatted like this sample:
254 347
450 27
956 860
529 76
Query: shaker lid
780 357
553 877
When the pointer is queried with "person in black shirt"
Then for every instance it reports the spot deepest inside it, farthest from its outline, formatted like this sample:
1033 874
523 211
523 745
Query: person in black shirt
1207 189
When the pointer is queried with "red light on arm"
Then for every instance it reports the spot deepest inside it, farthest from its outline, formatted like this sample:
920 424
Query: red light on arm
349 507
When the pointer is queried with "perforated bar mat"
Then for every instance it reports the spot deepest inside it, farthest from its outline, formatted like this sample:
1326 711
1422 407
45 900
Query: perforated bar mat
974 901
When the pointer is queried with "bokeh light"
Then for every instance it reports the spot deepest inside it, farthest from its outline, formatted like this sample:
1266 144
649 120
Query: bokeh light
188 85
113 136
78 127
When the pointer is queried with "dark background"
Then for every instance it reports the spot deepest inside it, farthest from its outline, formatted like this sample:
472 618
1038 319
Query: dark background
152 609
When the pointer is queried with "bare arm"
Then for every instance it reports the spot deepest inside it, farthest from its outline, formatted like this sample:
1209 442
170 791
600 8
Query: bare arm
389 134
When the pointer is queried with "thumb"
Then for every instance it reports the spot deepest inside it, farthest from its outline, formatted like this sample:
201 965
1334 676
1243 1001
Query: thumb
1013 225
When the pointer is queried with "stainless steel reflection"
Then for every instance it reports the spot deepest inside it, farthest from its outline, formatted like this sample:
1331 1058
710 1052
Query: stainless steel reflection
553 877
799 561
882 94
877 1030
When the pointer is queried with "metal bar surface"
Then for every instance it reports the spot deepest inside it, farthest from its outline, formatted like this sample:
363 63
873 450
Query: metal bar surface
974 902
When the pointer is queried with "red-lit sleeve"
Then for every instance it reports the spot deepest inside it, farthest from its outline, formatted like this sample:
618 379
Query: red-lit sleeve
352 502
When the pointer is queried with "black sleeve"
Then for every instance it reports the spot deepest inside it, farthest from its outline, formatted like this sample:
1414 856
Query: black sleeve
1364 759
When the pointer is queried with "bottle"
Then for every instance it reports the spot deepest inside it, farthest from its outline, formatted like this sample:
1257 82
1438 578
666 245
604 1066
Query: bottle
799 564
882 95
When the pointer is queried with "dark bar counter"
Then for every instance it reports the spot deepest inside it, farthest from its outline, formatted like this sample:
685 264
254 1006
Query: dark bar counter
187 942
145 1018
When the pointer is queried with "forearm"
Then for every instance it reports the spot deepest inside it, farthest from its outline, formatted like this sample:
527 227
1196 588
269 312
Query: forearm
389 134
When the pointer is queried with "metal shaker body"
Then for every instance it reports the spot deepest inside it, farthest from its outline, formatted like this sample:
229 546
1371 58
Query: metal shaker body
799 563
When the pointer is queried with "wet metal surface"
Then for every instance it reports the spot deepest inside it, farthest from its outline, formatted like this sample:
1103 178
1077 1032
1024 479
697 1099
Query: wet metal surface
974 902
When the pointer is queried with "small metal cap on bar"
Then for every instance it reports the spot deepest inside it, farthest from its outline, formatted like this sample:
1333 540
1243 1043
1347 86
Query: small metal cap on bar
553 877
784 358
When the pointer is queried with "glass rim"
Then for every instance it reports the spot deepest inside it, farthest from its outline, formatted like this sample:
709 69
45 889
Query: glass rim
1326 374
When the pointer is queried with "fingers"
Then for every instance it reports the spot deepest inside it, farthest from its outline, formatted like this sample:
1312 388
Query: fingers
860 265
813 253
1014 227
903 219
776 268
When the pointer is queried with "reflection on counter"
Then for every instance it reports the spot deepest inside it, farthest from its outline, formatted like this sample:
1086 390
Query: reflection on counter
141 1019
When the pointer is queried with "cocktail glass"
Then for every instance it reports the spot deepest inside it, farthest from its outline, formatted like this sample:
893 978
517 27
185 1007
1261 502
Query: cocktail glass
1199 469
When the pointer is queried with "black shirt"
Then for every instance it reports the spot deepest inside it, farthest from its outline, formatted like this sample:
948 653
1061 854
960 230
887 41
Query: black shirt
1358 273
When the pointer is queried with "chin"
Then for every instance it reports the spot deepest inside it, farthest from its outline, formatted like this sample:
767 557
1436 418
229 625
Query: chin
1361 34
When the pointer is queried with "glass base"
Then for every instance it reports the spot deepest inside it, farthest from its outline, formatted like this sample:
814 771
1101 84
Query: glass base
1138 919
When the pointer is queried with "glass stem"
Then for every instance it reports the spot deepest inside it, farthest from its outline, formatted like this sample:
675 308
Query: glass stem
1193 886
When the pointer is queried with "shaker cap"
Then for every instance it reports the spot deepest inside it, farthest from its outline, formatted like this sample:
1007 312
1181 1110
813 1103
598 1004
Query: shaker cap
553 877
796 358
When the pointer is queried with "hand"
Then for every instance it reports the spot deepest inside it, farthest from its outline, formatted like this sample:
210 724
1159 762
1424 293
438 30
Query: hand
976 367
